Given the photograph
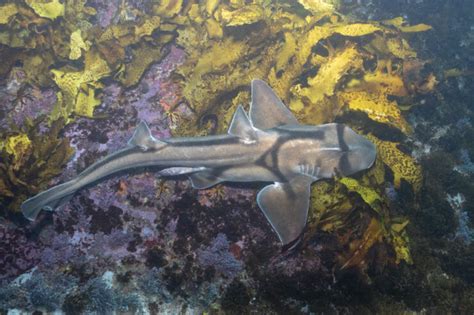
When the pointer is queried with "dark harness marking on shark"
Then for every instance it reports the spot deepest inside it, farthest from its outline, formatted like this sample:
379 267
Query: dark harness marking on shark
268 146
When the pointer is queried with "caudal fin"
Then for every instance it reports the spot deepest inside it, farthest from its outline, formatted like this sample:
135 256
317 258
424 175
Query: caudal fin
48 200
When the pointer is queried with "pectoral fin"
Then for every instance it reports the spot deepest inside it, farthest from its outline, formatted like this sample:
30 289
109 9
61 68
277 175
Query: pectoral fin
285 206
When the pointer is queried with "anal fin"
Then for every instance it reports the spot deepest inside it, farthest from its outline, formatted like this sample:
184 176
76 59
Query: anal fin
204 179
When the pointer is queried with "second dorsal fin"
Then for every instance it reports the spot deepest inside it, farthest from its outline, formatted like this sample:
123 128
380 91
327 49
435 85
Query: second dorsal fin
143 138
266 109
241 126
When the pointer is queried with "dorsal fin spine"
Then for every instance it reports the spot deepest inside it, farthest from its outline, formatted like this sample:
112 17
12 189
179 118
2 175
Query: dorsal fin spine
241 126
143 138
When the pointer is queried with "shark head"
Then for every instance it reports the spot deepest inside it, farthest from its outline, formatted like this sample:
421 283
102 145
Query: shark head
360 153
304 154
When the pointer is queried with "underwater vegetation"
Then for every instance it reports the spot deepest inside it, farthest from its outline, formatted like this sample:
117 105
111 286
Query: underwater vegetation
77 76
31 160
320 63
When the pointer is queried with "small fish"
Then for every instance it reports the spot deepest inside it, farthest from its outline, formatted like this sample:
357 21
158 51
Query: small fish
269 145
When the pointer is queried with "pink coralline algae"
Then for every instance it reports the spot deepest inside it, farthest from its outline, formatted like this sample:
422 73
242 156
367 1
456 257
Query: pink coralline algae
17 253
290 265
124 109
104 220
156 93
106 11
21 102
136 220
34 103
213 196
142 189
218 255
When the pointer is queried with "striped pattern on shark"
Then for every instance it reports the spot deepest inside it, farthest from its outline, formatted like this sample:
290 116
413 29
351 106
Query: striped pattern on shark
269 145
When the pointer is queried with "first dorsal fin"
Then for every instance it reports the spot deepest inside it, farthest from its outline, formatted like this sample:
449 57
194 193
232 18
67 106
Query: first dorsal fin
242 127
143 138
266 109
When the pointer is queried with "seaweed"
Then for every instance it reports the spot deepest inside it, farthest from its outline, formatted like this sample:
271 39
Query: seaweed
51 10
403 166
30 160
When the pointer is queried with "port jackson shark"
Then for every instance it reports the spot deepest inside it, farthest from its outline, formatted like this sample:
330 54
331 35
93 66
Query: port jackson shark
268 145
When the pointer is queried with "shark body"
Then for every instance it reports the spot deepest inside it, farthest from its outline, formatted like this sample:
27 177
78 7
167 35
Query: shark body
269 145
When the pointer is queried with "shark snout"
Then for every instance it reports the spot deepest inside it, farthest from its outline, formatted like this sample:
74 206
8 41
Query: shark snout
366 152
361 152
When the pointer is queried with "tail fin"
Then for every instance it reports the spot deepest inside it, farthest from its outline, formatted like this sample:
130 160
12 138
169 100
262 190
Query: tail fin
48 200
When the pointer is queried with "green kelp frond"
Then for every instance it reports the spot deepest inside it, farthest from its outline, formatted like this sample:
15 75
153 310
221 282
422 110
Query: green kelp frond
17 146
144 55
315 98
242 16
227 43
168 8
391 234
329 207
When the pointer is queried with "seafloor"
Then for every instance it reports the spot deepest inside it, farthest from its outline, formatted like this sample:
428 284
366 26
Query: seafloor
77 76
